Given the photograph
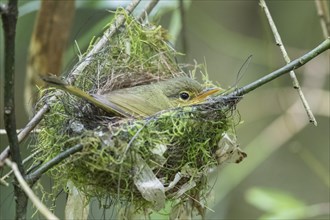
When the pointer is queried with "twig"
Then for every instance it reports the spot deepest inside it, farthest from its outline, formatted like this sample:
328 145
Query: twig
103 41
33 177
9 19
28 128
34 199
3 131
3 182
4 177
323 12
325 45
147 10
287 60
9 13
131 141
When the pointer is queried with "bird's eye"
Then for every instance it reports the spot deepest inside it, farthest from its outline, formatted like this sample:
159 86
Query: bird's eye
184 96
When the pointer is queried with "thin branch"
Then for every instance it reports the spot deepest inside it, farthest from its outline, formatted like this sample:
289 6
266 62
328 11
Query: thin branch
3 182
325 45
24 133
322 8
33 177
147 10
102 42
287 60
34 199
3 131
30 157
9 13
9 19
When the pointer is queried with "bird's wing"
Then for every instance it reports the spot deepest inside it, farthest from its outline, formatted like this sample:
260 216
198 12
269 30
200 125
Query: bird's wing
132 104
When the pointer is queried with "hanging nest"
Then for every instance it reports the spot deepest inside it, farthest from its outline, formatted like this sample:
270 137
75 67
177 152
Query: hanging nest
145 162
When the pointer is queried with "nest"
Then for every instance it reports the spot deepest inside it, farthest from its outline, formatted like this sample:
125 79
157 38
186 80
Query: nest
146 162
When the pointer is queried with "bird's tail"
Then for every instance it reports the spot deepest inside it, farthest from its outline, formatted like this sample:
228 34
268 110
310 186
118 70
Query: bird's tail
54 81
58 83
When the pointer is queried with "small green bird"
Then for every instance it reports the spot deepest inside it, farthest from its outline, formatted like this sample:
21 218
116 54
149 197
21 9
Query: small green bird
143 100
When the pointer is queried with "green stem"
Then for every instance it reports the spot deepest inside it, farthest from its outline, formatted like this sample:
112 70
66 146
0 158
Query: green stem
325 45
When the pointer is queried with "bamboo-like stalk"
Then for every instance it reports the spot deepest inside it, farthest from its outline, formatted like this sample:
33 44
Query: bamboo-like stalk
294 79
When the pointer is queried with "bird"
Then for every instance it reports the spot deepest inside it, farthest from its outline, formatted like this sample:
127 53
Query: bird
142 100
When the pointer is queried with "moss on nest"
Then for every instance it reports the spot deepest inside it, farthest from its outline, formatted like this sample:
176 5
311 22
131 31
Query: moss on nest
174 149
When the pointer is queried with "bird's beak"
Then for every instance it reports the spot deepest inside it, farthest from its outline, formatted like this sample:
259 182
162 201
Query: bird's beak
204 94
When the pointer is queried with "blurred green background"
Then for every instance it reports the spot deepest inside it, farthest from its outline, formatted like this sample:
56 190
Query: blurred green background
286 174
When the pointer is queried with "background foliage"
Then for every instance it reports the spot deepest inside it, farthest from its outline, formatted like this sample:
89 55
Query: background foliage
286 174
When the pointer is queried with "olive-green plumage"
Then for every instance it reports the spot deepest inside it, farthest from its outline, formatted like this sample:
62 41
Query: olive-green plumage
143 100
